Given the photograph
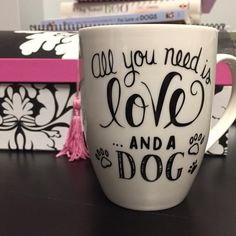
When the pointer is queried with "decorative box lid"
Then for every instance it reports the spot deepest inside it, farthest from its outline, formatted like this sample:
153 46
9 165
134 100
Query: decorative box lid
49 56
39 44
39 56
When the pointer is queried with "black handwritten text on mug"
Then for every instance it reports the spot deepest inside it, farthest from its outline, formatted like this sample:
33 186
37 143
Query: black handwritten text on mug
136 59
176 102
182 60
206 74
151 143
102 64
131 167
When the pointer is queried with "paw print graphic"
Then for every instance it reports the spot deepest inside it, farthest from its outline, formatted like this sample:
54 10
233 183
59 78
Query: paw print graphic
195 142
103 156
193 167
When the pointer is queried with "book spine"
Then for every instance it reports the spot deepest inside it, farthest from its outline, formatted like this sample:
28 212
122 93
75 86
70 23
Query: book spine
154 17
92 1
75 9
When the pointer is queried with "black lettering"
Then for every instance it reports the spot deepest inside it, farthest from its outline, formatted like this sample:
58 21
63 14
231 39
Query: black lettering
157 109
136 59
169 167
102 65
181 60
132 73
130 164
171 143
157 143
195 61
175 100
113 105
133 143
145 142
131 103
159 167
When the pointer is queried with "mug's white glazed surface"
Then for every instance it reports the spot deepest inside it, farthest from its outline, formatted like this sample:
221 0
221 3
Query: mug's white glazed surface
146 96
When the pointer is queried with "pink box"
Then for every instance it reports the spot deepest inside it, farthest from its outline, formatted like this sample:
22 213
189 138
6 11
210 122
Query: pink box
36 100
38 70
38 74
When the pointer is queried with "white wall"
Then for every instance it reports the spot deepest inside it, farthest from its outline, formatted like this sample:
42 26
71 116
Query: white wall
9 14
224 11
19 14
31 12
52 8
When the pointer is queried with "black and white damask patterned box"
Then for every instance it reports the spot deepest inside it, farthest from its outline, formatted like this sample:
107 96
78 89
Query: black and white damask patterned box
38 75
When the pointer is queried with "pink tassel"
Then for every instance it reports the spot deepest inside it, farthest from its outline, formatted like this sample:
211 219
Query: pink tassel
74 146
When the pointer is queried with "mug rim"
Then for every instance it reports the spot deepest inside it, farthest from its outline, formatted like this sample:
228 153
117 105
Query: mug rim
154 26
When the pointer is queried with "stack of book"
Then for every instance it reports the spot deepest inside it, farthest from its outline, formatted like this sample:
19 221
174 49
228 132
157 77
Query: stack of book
82 13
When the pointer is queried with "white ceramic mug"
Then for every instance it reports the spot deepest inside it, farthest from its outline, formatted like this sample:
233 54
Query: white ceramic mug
147 94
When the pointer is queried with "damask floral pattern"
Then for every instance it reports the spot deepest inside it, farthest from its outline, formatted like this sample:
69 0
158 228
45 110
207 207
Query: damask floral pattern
34 116
64 44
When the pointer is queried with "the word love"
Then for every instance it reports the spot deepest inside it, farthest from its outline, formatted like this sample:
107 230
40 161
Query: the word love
136 102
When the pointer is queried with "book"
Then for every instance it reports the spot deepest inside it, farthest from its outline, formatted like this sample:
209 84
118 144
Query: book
73 24
80 9
92 1
207 5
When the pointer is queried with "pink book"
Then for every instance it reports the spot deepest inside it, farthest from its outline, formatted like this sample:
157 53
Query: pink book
207 5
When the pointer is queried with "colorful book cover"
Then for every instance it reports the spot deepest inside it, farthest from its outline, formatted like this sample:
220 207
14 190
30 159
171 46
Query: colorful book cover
179 16
75 9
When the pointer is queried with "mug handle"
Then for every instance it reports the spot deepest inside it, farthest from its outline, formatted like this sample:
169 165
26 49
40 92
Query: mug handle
230 113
